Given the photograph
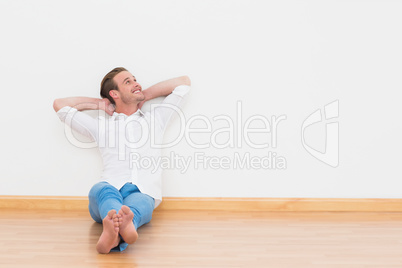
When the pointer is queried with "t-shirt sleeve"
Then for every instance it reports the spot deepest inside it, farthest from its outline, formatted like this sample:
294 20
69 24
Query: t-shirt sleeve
79 121
171 105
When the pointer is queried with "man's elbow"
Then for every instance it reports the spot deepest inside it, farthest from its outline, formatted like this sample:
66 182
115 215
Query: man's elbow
57 105
186 80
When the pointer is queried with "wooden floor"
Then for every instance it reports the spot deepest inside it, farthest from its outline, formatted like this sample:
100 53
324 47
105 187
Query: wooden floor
207 239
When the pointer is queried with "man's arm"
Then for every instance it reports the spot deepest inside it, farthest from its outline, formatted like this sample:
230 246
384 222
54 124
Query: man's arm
172 103
84 103
67 110
164 88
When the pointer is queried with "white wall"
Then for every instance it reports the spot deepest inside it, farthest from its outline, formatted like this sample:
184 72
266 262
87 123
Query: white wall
277 58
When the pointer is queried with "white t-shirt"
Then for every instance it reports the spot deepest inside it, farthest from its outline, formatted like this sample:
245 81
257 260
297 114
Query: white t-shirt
123 139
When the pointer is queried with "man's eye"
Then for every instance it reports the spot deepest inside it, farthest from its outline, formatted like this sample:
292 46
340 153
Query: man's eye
127 82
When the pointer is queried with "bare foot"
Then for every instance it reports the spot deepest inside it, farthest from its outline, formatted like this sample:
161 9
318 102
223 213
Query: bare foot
127 229
110 235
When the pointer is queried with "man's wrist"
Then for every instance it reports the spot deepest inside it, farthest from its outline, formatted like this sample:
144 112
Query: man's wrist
147 94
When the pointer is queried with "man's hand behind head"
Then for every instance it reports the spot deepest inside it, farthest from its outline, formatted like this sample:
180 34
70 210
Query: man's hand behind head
107 106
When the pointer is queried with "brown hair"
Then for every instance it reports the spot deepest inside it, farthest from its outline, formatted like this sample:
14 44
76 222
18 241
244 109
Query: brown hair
108 84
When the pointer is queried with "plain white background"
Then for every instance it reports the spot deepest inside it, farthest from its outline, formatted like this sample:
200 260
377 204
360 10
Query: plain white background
275 57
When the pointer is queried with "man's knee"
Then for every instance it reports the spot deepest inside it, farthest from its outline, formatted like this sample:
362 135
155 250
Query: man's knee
143 205
96 188
103 190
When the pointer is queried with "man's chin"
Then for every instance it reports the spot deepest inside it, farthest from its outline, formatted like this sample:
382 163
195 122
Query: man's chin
140 97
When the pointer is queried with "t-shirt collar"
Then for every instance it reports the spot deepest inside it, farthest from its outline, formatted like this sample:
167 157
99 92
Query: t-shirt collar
137 113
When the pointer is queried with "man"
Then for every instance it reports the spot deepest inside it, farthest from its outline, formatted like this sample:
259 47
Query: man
127 194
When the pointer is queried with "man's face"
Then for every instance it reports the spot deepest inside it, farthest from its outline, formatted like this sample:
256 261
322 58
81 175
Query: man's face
130 91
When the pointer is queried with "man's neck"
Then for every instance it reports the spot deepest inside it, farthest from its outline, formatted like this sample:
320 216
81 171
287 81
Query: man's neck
126 109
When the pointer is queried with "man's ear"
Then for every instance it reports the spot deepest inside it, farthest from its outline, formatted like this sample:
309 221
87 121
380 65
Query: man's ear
113 93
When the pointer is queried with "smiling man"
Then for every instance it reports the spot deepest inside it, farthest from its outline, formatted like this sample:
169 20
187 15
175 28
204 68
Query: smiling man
127 194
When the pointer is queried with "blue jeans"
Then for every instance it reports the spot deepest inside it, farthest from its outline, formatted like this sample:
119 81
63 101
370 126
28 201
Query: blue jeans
104 197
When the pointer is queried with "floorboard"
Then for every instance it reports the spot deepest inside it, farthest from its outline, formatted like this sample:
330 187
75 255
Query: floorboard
38 238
